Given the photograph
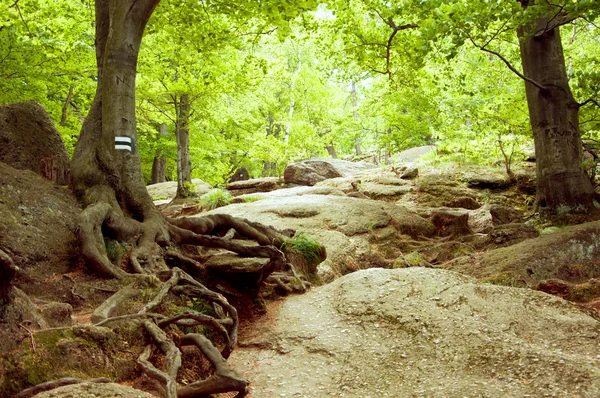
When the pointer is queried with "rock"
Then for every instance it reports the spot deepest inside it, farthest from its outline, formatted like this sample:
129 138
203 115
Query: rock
379 191
245 187
95 390
425 332
309 172
33 209
529 152
410 173
480 220
510 234
168 190
29 141
435 189
342 224
438 254
240 174
463 202
449 222
504 215
57 314
287 192
412 154
570 254
487 180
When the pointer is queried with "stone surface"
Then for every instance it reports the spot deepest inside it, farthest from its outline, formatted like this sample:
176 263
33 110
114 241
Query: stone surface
265 184
29 141
412 154
57 314
421 332
169 189
342 224
570 254
309 172
510 234
95 390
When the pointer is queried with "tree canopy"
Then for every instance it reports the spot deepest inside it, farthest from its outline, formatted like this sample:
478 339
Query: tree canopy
270 83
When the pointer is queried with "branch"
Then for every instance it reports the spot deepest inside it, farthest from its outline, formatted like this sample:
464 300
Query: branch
512 68
591 100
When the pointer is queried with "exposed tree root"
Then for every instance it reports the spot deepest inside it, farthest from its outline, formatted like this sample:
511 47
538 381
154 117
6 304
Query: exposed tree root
225 378
51 385
155 238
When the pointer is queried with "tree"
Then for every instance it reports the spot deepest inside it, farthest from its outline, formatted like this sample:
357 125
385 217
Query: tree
107 177
446 25
553 113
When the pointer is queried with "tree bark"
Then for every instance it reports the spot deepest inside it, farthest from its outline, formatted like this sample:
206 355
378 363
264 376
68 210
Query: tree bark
182 133
554 118
159 168
102 173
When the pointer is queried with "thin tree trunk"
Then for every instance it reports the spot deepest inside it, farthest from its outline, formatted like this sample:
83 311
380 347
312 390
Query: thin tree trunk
553 112
355 117
63 117
159 168
182 133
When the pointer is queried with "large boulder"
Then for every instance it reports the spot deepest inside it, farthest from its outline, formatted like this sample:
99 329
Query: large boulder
309 172
412 154
245 187
37 228
421 332
570 254
356 232
29 141
95 390
168 190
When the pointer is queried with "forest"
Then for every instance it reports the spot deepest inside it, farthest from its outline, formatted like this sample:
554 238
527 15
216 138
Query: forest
501 95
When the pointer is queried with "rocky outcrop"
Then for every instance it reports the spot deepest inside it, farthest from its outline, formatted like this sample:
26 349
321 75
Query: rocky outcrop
421 332
95 390
309 172
570 254
255 185
168 190
356 232
29 141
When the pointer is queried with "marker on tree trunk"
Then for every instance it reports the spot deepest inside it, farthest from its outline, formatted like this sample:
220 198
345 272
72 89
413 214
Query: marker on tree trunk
123 143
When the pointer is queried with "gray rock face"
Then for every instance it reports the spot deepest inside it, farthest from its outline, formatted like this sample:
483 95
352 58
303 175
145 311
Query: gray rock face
412 154
29 141
95 390
421 332
169 189
309 172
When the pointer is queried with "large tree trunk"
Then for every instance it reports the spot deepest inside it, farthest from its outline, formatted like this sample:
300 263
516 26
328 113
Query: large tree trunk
553 112
182 133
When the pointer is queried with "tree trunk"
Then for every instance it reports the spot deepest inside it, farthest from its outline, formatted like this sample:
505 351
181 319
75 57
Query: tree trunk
159 168
331 150
182 133
102 170
553 113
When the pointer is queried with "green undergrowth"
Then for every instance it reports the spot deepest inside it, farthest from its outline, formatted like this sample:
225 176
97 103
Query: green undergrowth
215 198
305 245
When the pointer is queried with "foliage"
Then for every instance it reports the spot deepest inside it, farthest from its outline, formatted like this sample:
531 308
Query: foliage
304 244
216 198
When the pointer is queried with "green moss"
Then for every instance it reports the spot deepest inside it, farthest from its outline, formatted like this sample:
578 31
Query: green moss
249 199
24 368
504 279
